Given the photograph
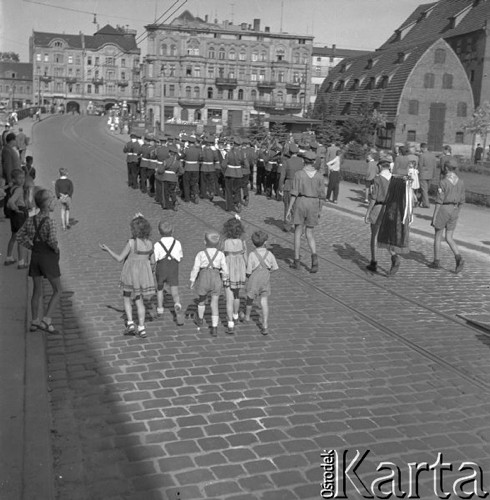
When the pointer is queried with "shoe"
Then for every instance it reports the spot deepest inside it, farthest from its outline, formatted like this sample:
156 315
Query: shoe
48 327
9 262
230 330
366 200
245 202
214 331
238 209
68 226
296 264
179 315
459 264
142 332
211 198
241 316
372 266
395 265
196 200
22 266
434 265
34 326
176 208
160 312
130 329
335 202
264 330
314 263
198 321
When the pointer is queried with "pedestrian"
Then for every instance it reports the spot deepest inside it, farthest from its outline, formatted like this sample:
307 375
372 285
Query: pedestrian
232 172
168 253
63 188
208 274
371 172
449 200
10 158
260 264
235 250
161 154
21 141
173 171
427 168
16 210
29 169
291 165
375 210
191 157
38 234
447 159
478 153
132 148
333 167
307 194
136 276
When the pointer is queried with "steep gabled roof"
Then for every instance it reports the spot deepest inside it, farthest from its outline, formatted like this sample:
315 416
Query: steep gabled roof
23 71
439 22
43 39
337 52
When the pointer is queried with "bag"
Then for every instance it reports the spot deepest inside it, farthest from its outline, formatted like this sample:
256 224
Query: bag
7 211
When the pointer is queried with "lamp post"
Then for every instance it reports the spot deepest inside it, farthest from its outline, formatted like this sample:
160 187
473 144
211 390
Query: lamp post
162 98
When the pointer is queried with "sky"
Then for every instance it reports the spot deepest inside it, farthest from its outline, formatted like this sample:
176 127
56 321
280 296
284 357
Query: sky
350 24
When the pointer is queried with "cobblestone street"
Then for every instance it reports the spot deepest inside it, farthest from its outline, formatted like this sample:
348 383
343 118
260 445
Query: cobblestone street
352 361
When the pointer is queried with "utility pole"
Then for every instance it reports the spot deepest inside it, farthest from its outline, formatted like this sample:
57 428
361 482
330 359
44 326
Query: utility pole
306 87
162 98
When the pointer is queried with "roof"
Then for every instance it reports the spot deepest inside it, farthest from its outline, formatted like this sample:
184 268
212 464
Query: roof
442 19
23 71
291 119
337 52
385 63
107 35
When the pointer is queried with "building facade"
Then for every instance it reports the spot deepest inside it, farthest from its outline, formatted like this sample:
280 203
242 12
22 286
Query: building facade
86 73
15 85
222 74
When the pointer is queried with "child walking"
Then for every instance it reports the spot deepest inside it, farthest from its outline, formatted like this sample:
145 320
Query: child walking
39 235
260 264
450 198
136 275
64 191
235 250
208 265
168 254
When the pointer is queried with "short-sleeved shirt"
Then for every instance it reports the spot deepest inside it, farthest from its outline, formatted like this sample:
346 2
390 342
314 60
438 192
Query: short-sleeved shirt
449 192
311 187
269 260
380 188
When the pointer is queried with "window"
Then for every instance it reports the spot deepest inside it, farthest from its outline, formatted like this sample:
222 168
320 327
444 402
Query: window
462 109
70 88
232 55
197 92
459 137
97 61
253 95
447 81
280 54
77 72
89 89
89 73
188 71
263 56
188 92
472 76
355 84
163 49
231 73
240 94
210 92
261 75
221 53
413 107
255 56
317 88
38 57
110 75
109 61
211 53
70 59
230 94
429 80
383 82
197 71
340 85
123 63
242 56
77 88
46 57
173 50
58 44
370 83
210 71
123 75
440 56
58 58
111 89
78 60
280 96
411 135
89 60
171 90
253 75
220 93
280 76
241 73
296 58
347 108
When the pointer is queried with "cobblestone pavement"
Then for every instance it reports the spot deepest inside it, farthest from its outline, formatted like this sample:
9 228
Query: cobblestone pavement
353 361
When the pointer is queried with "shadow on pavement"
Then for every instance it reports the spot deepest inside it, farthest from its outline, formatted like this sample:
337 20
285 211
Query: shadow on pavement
270 221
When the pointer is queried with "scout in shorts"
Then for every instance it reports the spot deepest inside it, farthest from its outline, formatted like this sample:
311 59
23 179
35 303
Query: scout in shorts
450 198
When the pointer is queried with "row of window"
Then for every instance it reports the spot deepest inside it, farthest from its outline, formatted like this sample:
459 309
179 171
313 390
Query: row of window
77 59
77 88
412 137
461 108
60 72
212 93
16 89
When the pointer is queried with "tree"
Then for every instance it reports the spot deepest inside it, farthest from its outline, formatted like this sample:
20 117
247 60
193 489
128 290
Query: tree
363 126
257 130
279 132
328 132
9 56
479 124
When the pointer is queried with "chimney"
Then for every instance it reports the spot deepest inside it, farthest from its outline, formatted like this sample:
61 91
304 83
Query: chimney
206 17
267 29
243 26
225 23
256 24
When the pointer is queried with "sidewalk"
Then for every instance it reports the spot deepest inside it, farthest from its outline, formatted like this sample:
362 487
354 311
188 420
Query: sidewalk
26 469
472 231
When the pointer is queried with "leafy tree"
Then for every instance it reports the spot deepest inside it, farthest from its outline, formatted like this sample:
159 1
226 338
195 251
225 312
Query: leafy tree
279 132
328 131
9 56
362 127
257 130
479 124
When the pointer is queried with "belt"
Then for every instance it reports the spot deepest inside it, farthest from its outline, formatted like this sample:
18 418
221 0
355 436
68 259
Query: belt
234 166
455 204
208 162
187 161
170 172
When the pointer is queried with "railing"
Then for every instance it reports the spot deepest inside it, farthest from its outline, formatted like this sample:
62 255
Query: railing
226 82
266 84
122 83
191 102
294 87
71 79
98 81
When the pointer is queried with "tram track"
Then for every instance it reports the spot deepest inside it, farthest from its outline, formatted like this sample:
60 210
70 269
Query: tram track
111 160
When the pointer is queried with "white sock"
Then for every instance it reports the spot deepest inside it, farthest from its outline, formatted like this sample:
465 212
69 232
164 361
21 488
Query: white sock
178 307
200 311
160 310
231 324
235 316
214 321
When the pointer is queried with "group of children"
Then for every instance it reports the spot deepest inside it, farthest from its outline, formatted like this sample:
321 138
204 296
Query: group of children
223 263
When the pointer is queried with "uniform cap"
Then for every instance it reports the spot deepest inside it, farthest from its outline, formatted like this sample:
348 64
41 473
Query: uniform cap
385 158
309 155
237 141
190 139
173 149
133 136
293 149
314 145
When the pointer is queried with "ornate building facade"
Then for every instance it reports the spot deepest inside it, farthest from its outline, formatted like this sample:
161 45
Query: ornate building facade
86 73
224 74
15 84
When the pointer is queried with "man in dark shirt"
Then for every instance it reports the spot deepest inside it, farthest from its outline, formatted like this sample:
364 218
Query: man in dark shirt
427 167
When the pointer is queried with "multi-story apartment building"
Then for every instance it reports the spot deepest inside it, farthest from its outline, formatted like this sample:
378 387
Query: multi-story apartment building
15 84
224 74
325 59
83 72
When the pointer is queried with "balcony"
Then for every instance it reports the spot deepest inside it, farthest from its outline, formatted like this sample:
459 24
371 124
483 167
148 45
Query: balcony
294 88
264 85
45 78
192 102
229 83
71 79
98 81
278 107
122 83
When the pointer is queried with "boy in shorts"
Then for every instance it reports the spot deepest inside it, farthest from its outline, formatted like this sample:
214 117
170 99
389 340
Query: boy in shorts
450 199
168 254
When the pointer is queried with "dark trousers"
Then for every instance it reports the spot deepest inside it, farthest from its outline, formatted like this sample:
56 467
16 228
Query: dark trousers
159 192
169 195
144 174
134 171
244 185
191 185
208 181
260 179
333 185
251 176
129 173
232 192
219 182
151 180
424 192
271 183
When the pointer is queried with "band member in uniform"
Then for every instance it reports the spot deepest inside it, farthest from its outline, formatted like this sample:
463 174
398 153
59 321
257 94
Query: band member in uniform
172 171
131 149
260 178
209 159
192 158
249 154
146 152
232 171
161 154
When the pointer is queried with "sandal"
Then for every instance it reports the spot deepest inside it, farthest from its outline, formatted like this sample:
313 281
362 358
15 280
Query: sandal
48 327
179 315
130 328
22 266
34 326
142 332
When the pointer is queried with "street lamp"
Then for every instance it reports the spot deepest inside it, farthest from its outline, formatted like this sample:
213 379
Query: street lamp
162 98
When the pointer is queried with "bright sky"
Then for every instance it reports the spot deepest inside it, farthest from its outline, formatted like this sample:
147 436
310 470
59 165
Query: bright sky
350 24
